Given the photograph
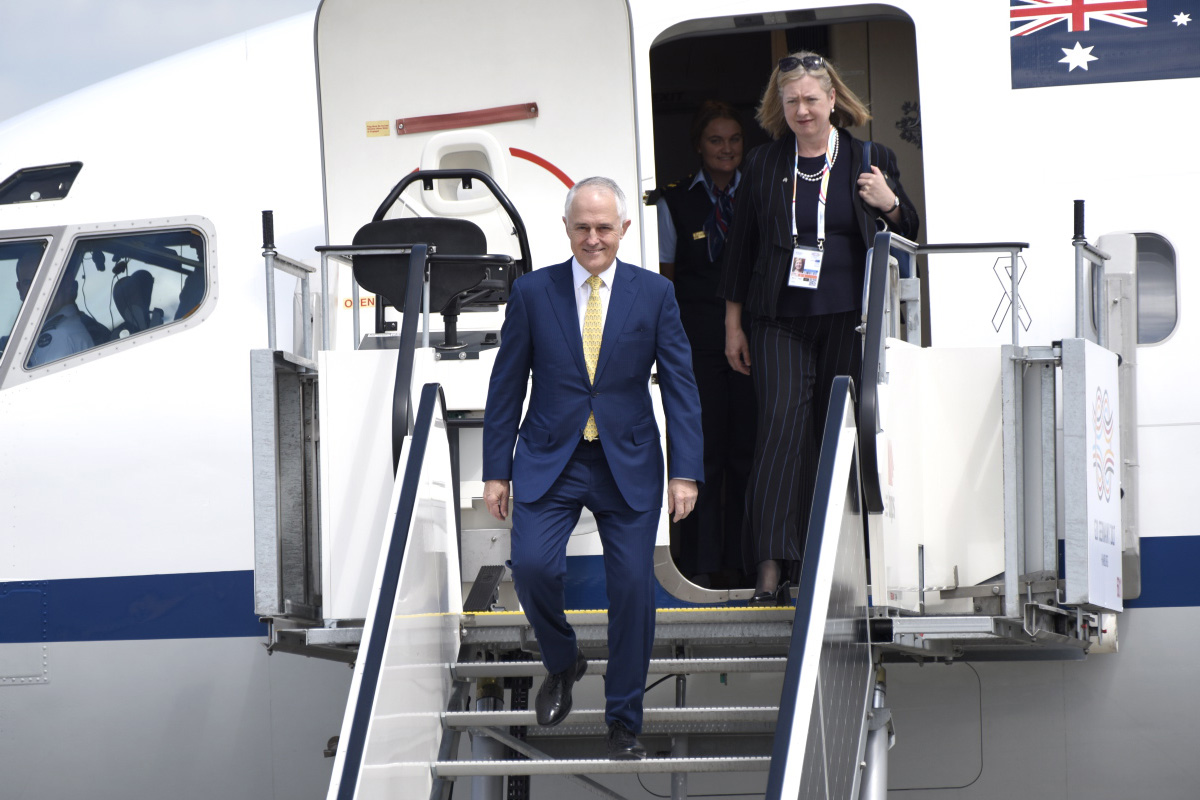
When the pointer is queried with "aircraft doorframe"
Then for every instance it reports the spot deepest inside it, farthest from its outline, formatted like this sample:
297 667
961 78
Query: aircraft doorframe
729 58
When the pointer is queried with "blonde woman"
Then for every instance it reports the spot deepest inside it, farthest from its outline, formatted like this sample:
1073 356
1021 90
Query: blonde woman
809 205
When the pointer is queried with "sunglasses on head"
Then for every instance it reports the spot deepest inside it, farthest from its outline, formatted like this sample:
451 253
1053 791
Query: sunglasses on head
789 63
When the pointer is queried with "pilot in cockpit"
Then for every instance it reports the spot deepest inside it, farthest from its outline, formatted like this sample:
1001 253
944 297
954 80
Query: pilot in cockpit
64 333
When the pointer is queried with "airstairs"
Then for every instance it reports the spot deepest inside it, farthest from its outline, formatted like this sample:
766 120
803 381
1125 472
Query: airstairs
789 702
426 656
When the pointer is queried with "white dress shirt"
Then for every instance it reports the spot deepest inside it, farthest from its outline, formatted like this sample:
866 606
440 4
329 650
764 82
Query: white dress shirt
583 291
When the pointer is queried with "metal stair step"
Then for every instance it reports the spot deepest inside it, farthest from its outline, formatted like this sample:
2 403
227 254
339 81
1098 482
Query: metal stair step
698 726
733 627
590 766
599 666
595 716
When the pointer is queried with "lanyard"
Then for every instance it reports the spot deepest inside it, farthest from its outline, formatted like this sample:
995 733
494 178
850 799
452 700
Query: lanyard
820 195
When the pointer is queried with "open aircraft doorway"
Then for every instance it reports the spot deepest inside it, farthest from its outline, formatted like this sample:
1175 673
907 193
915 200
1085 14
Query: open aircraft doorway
729 60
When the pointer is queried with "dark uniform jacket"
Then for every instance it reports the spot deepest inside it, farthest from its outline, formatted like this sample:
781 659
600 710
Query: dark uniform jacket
696 278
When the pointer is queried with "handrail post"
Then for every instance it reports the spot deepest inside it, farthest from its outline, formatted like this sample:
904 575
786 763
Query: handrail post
425 305
357 310
1081 292
1014 279
893 293
324 302
269 252
306 322
1102 323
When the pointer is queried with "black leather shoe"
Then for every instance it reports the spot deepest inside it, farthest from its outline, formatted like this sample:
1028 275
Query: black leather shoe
782 596
623 745
763 599
553 701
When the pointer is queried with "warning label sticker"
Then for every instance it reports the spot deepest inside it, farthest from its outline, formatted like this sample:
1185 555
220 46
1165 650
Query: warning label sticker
379 127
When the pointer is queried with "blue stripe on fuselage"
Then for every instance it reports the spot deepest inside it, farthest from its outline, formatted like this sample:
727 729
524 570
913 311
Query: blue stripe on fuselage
192 605
1167 564
198 605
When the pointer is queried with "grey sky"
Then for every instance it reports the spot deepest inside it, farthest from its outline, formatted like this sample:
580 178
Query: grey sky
49 48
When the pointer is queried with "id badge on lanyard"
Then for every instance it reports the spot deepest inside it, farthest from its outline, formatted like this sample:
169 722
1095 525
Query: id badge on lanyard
806 261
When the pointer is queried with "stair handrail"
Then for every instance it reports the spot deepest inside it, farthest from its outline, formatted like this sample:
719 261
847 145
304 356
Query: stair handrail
813 604
274 260
371 651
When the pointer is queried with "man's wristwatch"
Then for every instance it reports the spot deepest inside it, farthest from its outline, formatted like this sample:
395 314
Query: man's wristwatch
895 205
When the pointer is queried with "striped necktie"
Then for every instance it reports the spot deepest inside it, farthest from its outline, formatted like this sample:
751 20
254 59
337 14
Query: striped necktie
717 224
591 346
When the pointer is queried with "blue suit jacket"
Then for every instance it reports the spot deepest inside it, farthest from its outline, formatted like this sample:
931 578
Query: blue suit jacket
541 337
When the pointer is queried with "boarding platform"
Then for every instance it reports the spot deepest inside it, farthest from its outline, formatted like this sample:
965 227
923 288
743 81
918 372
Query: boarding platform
955 518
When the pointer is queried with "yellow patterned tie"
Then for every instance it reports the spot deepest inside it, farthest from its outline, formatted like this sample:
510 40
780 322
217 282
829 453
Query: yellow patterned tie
591 346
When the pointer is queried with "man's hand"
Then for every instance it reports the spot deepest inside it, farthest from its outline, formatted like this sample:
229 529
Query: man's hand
681 497
495 494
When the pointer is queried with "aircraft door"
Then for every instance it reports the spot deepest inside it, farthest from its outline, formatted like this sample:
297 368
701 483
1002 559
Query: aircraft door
538 97
729 59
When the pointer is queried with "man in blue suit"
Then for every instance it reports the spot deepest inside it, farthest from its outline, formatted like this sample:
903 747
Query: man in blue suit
589 438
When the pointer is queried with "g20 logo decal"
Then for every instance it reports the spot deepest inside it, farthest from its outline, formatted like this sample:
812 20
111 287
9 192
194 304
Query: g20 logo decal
1104 461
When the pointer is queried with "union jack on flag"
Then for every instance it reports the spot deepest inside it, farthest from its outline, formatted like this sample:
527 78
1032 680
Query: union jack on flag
1034 15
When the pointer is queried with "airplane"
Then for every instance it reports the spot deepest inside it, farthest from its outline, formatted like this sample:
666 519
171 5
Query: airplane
134 665
160 529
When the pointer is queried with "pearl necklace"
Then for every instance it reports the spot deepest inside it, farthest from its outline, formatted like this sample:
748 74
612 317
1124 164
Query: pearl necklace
816 176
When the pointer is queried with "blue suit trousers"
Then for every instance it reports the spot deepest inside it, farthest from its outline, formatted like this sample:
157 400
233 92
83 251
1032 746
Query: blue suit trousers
540 532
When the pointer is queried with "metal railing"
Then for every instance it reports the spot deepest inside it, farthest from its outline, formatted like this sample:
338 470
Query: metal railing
275 261
1087 256
882 320
345 253
373 648
820 736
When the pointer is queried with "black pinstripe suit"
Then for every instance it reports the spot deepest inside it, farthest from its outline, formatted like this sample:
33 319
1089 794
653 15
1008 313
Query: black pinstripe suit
793 359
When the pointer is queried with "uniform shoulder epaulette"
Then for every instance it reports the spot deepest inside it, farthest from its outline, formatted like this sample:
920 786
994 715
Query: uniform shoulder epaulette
652 196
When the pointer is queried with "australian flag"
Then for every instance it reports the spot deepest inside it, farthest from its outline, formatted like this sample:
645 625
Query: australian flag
1065 42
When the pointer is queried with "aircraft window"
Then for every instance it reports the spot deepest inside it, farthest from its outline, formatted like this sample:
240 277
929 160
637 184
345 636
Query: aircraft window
35 184
18 264
1158 308
118 286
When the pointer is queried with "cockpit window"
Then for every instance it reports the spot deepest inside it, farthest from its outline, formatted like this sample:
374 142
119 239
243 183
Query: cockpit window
18 264
118 286
36 184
